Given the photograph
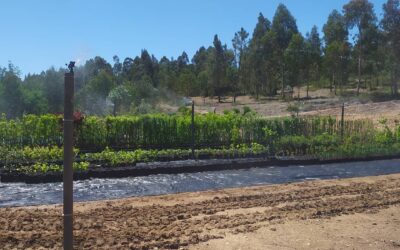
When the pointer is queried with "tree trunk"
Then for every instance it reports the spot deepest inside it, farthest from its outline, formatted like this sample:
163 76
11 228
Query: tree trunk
391 83
219 99
283 81
298 93
115 109
308 84
257 90
359 61
359 74
394 83
333 85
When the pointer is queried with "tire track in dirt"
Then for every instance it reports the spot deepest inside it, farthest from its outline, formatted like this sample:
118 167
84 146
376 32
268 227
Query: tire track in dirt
127 225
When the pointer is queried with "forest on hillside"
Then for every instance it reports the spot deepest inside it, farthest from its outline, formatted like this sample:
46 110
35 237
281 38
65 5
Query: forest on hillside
353 49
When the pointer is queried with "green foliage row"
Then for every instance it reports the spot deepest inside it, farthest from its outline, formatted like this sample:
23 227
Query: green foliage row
26 155
326 146
113 157
43 167
160 131
302 145
117 158
323 146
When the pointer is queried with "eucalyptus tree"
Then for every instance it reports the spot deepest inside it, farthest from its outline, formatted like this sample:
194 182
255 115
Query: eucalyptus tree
218 69
284 25
337 49
314 56
240 49
11 96
336 61
256 61
201 62
360 14
391 27
92 98
270 59
296 60
121 98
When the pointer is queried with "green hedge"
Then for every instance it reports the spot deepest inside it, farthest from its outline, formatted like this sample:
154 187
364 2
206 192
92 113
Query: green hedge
159 131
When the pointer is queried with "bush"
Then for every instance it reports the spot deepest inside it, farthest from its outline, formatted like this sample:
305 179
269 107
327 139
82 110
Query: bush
160 131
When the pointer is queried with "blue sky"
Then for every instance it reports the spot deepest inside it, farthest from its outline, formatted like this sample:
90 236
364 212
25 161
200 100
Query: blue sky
37 34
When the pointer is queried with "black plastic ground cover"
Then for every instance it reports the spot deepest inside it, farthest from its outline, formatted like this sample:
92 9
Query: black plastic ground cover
177 167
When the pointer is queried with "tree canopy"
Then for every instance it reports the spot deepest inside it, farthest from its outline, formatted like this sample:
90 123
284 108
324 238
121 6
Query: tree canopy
260 62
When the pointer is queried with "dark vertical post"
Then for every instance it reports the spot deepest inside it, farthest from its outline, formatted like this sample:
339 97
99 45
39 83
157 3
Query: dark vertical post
193 139
68 123
342 123
283 79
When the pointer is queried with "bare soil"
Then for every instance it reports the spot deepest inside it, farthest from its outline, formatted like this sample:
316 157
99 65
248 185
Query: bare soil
367 230
351 213
321 102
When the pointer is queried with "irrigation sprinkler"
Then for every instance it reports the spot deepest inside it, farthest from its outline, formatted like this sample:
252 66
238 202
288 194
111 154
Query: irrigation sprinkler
68 123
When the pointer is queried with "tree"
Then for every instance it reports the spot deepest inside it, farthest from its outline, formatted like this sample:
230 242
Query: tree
54 89
186 80
203 83
337 49
34 101
270 67
147 66
121 97
240 46
93 97
143 90
127 66
360 14
335 28
391 27
117 68
93 66
218 69
231 74
101 84
200 59
337 55
295 60
314 56
256 60
183 61
166 74
11 98
372 59
284 25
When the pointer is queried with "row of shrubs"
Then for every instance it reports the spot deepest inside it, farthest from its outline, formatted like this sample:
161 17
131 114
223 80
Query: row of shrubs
44 159
160 131
324 146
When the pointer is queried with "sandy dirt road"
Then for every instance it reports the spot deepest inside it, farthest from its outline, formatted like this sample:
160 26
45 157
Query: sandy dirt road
360 213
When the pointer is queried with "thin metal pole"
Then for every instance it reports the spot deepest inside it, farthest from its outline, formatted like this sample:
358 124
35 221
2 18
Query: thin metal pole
68 123
193 139
342 123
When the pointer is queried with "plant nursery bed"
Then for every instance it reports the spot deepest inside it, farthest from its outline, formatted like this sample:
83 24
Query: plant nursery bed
177 167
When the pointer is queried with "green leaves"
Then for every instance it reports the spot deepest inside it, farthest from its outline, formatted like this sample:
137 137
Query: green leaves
43 168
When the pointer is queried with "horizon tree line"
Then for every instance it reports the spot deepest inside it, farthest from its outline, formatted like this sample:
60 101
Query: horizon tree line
355 50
